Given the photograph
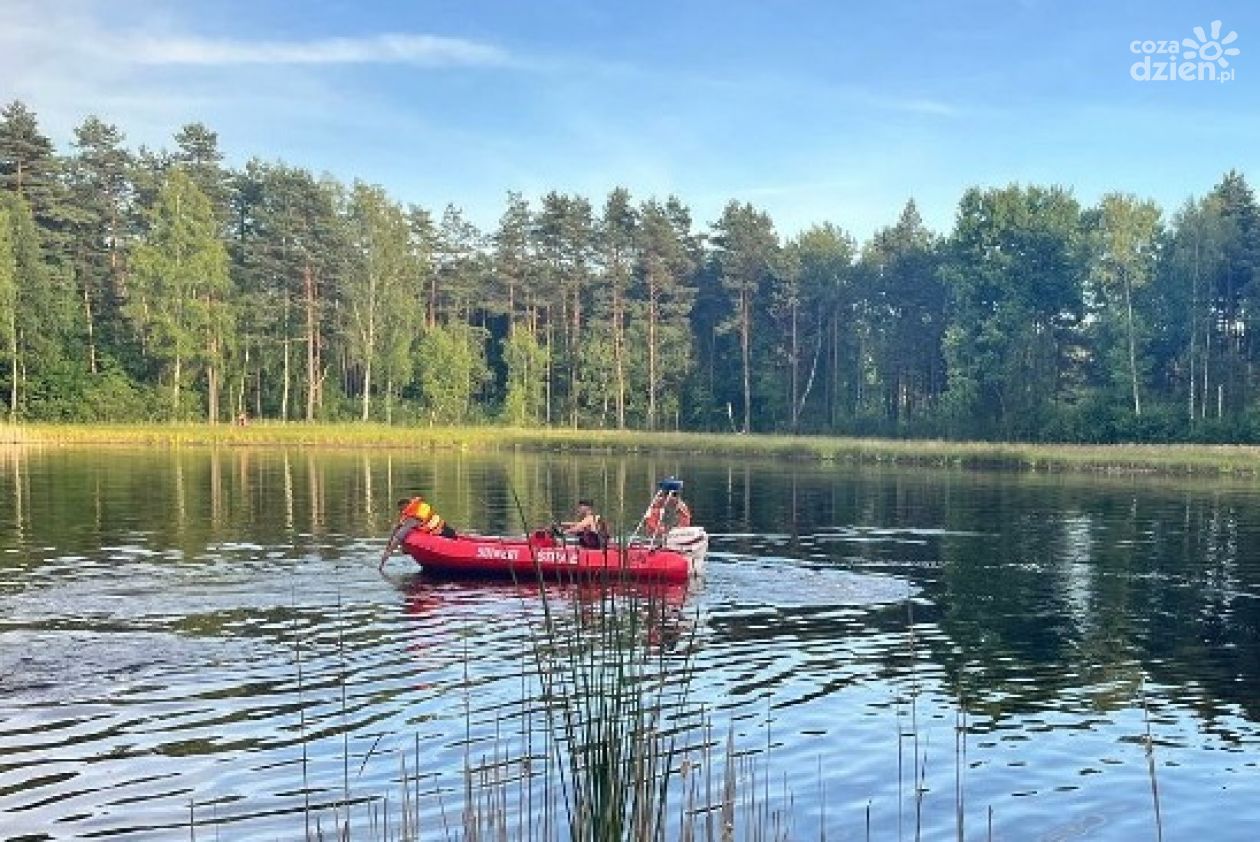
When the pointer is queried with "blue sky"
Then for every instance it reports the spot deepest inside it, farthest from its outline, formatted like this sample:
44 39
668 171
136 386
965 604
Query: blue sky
815 111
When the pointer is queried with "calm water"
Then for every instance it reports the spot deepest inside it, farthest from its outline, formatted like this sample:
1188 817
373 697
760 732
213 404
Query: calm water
1003 629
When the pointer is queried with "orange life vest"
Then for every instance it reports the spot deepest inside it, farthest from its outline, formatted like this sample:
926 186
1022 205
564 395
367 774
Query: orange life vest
429 520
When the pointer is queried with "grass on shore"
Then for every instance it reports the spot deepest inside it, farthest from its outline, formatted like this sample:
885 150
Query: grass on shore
1241 460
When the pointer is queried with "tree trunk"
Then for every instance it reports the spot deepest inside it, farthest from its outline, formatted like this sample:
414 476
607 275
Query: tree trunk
212 394
431 315
619 354
91 326
813 370
312 369
284 388
1128 305
13 365
1194 322
240 396
833 414
179 373
1207 361
115 267
369 347
550 370
575 359
651 349
212 369
744 328
795 374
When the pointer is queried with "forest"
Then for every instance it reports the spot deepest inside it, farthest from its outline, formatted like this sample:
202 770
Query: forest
163 285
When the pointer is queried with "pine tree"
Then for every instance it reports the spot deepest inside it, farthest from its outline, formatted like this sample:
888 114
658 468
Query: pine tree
458 270
617 234
905 310
198 153
1015 272
512 260
29 168
824 257
746 248
27 164
564 240
1235 291
666 299
100 190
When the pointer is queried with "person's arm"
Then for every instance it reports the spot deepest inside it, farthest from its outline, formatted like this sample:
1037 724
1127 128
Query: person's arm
395 538
582 525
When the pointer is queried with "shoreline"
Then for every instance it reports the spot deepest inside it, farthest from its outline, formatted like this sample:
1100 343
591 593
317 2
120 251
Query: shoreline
1168 459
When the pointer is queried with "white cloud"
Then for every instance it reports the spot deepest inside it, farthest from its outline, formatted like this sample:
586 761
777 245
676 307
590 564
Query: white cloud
141 65
394 48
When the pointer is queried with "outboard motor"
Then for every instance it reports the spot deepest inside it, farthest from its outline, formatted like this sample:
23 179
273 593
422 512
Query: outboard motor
670 484
679 536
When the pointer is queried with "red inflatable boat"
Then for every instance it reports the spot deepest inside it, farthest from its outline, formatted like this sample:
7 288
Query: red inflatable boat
525 558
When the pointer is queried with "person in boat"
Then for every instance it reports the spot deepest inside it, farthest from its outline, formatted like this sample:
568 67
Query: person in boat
415 513
590 528
667 512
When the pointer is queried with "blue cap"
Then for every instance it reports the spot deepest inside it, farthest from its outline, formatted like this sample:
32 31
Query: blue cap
670 484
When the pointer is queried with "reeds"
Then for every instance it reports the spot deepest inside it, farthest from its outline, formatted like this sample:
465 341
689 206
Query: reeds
1176 459
606 742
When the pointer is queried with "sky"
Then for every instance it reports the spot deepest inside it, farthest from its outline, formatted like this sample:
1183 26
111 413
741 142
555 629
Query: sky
821 111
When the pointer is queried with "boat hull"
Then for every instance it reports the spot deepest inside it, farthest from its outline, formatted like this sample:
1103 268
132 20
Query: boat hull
527 558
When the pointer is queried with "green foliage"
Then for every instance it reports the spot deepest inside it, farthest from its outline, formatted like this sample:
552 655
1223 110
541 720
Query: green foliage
180 284
526 362
452 369
904 301
1015 269
70 394
8 297
1125 236
381 290
166 283
746 249
661 328
40 318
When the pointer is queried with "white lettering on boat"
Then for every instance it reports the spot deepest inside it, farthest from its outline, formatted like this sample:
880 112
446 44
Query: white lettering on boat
555 556
501 553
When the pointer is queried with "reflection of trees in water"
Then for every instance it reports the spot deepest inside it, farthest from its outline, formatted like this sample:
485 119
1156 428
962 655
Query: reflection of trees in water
1078 582
1087 588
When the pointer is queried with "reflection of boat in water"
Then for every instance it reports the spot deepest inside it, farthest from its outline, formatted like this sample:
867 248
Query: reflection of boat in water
540 554
574 604
433 595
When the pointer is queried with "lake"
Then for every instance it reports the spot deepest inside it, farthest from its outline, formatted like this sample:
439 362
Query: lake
201 637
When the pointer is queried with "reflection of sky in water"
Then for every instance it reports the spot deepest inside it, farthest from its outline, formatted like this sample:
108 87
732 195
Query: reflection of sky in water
153 609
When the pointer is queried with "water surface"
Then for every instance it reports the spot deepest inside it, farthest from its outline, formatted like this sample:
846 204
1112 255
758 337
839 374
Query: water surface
203 633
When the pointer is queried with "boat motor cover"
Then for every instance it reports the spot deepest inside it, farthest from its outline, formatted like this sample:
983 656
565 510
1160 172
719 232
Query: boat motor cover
670 484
